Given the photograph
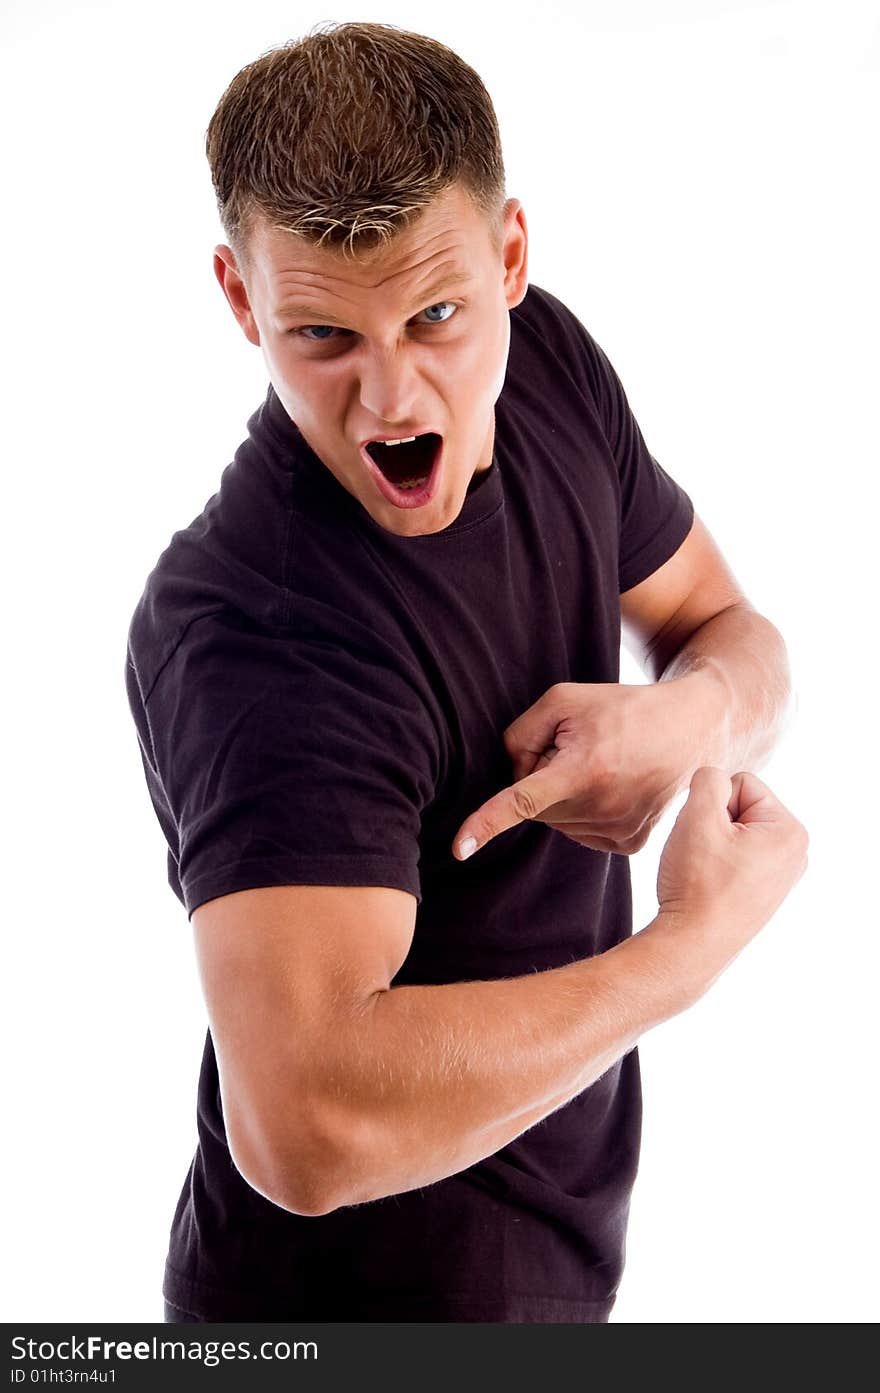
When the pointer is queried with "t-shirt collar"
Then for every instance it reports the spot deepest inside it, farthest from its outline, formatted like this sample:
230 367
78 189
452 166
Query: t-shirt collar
484 496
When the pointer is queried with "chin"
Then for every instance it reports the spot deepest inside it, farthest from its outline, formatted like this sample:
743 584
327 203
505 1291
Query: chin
419 523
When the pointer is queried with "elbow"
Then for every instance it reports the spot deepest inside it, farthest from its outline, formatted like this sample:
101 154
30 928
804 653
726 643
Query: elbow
310 1174
307 1195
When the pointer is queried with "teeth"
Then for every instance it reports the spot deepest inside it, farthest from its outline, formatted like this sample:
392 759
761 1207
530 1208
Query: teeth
413 483
405 440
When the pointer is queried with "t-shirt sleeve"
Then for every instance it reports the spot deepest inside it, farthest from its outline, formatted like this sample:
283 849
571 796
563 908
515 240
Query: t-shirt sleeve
285 760
656 514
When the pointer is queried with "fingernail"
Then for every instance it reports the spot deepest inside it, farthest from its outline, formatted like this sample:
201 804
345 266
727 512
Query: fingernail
467 847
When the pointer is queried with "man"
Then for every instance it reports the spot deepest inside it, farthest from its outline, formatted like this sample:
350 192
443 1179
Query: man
376 690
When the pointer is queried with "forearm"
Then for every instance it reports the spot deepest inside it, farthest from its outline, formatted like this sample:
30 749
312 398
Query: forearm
439 1077
737 667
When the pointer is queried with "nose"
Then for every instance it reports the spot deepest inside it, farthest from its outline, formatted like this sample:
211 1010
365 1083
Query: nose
389 386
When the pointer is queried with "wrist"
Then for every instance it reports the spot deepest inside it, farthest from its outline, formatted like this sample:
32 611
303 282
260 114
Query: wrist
696 944
704 707
660 974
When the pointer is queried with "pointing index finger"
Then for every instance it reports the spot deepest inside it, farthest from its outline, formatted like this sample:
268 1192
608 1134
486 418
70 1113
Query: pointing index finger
521 802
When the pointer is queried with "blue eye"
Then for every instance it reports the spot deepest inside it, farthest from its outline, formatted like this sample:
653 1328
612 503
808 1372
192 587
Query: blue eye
316 326
309 329
443 304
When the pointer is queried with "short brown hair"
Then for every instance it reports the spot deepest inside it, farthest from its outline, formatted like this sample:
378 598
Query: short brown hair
345 136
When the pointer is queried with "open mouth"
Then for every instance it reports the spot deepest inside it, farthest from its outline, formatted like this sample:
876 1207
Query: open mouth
406 473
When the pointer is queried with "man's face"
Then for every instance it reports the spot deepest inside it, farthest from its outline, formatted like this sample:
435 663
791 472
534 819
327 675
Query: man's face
412 339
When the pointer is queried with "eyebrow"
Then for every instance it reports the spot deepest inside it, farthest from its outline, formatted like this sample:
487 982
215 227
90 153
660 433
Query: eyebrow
316 316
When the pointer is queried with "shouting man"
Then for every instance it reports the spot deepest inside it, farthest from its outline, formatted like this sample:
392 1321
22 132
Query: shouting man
376 687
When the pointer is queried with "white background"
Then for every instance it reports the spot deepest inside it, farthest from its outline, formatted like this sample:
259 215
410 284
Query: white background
699 181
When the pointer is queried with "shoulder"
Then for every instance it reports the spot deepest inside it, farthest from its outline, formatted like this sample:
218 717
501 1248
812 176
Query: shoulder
543 325
228 565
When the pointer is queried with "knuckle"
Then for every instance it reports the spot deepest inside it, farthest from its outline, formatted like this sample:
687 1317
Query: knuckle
797 845
805 849
634 843
524 804
800 836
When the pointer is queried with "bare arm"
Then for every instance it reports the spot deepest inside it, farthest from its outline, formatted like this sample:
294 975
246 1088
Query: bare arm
429 1080
446 1075
338 1088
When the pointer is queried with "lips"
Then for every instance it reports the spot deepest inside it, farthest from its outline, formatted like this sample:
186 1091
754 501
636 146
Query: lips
392 466
407 461
401 435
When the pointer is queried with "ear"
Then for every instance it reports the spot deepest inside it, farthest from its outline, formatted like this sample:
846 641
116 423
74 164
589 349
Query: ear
515 253
233 287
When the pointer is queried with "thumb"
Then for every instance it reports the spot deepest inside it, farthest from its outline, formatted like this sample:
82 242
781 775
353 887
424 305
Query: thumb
711 793
533 731
752 801
521 802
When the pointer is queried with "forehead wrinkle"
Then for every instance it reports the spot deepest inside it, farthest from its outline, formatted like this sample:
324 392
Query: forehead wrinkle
435 276
396 259
392 260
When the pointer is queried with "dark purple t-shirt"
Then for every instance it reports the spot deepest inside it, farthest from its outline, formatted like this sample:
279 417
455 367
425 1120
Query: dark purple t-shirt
319 701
